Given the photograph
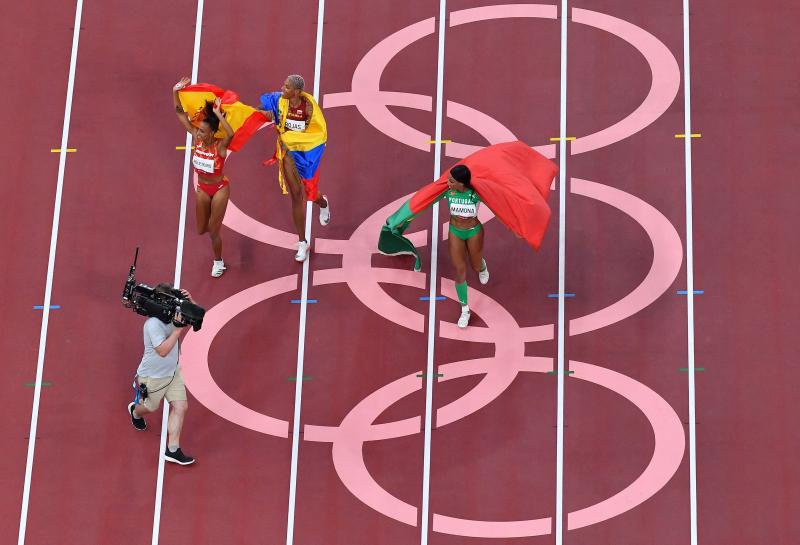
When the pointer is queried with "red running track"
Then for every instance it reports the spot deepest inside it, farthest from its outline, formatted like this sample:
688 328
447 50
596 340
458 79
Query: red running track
94 479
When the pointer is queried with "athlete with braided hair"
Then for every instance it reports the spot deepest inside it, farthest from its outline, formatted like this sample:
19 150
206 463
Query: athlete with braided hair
208 159
465 240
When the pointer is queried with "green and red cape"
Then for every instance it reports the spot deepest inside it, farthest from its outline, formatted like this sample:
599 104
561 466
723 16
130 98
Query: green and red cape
512 179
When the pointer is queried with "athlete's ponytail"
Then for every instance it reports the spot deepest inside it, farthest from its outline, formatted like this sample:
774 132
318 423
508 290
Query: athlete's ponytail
210 117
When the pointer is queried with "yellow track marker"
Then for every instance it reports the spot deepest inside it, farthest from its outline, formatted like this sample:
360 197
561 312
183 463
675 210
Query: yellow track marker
557 139
693 135
182 147
58 150
441 141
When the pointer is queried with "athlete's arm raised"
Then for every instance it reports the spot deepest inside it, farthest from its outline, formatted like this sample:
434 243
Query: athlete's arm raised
223 143
182 116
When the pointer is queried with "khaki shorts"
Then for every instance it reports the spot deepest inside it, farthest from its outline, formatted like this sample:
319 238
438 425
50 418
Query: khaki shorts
171 388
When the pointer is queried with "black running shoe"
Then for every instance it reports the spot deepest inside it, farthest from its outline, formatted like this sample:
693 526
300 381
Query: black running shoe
139 423
178 457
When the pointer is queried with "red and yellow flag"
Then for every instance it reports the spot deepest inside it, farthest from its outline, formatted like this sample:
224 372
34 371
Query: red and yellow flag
243 119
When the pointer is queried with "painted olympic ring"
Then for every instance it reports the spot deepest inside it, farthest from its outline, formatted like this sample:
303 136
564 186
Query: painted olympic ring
502 330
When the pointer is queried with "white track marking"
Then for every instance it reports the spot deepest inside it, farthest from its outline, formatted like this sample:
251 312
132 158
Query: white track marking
429 369
687 123
51 262
162 445
562 204
301 336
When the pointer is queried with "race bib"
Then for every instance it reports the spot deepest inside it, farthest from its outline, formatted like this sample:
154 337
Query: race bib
464 210
201 163
295 125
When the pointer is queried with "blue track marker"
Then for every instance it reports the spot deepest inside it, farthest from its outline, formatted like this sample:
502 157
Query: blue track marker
298 301
555 295
41 307
685 292
437 298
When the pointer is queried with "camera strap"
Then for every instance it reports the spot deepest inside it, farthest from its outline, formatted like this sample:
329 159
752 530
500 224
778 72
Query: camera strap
139 390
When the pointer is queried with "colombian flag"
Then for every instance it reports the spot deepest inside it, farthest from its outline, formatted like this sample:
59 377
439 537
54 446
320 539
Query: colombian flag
243 119
306 146
512 179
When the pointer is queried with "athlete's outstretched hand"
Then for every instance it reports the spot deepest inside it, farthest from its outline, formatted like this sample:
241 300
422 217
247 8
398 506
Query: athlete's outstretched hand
182 83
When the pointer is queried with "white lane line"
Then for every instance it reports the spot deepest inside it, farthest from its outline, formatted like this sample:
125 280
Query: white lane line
51 261
318 52
687 123
437 167
162 445
562 214
301 336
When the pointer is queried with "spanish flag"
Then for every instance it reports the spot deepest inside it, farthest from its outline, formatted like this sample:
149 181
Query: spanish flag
512 179
305 146
243 119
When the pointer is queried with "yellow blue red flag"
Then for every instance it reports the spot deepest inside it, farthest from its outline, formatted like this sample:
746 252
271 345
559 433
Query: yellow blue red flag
306 147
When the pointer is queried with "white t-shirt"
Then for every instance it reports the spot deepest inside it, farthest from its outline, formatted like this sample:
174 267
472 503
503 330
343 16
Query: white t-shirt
154 366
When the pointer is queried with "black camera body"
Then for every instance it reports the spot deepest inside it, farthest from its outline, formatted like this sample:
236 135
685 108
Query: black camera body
166 304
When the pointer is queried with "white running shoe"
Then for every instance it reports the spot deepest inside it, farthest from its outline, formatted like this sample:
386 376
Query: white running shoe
483 275
217 268
464 319
302 251
325 213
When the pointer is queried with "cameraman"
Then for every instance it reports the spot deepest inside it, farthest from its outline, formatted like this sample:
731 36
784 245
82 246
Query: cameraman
159 377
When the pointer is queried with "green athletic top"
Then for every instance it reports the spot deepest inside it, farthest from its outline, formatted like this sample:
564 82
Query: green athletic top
463 204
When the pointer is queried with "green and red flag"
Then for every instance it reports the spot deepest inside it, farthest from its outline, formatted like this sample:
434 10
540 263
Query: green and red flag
512 179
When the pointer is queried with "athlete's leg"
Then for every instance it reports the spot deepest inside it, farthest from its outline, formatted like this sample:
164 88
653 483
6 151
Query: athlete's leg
202 210
297 193
475 250
458 256
321 201
219 203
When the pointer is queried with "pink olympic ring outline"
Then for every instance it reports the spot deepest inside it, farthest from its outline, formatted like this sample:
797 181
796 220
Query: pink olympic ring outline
349 436
372 103
499 372
357 427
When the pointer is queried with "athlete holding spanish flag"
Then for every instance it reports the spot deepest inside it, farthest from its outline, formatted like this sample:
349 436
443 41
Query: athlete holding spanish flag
219 124
302 134
208 158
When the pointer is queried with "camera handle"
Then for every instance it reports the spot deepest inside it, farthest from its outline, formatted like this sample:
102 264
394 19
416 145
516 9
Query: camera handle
133 267
131 281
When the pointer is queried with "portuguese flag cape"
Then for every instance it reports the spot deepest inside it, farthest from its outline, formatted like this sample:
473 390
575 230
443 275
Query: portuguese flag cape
512 179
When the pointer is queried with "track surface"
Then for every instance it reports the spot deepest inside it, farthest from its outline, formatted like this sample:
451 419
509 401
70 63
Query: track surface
493 455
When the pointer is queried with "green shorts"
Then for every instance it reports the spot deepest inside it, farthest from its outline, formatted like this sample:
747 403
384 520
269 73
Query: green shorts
464 234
